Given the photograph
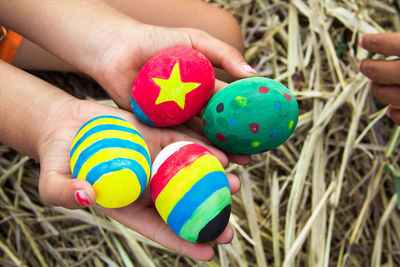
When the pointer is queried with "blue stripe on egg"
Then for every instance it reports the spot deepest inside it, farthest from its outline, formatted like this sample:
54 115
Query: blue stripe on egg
198 194
104 144
99 118
118 164
140 114
100 128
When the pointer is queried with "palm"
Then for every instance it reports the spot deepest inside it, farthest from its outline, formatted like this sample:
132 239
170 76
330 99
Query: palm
140 216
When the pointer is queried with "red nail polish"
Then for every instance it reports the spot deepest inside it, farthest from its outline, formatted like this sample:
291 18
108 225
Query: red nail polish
389 112
82 198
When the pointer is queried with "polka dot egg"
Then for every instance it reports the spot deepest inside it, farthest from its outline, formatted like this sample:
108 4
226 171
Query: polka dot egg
112 156
251 116
191 192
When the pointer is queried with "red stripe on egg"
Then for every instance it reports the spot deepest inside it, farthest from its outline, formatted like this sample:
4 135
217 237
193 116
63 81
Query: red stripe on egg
180 159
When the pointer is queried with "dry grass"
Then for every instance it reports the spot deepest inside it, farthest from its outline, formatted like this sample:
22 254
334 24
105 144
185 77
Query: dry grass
327 197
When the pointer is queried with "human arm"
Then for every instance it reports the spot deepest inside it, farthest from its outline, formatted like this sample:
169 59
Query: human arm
106 44
40 120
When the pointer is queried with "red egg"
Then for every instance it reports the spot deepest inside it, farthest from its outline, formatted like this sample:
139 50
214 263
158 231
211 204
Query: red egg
172 87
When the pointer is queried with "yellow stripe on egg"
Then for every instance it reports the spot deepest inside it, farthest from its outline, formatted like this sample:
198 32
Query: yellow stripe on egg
110 154
181 183
117 196
101 122
106 134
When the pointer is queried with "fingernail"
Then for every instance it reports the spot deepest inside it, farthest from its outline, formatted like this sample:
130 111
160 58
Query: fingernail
82 198
361 41
389 112
248 68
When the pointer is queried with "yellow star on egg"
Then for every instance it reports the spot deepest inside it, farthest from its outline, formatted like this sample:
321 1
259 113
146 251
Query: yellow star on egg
173 89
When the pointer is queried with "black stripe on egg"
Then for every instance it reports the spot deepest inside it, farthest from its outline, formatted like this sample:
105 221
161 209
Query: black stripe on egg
215 227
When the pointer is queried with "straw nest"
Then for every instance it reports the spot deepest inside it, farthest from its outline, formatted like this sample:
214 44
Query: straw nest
326 197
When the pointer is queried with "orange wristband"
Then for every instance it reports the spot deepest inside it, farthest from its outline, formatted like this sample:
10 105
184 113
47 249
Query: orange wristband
9 46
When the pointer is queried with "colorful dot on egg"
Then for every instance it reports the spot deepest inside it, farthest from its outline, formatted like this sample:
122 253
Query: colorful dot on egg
233 122
255 143
291 124
254 127
274 133
277 105
288 97
220 107
241 101
263 90
220 137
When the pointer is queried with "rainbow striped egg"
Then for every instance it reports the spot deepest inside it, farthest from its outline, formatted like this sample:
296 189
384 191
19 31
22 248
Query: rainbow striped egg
191 192
112 156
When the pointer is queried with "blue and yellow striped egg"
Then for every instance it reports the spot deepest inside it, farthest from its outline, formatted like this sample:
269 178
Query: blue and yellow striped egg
191 192
112 156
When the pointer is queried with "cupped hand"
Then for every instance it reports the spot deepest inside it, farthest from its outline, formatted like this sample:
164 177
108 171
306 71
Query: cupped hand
131 47
57 187
384 74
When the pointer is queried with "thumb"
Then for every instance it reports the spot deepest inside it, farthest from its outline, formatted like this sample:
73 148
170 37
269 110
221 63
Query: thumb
57 189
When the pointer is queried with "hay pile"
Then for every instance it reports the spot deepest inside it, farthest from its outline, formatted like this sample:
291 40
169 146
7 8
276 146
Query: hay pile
327 197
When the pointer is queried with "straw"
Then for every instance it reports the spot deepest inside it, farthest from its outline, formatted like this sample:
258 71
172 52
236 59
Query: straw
326 197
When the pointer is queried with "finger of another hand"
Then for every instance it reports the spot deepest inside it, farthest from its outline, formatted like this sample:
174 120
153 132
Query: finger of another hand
61 190
386 94
381 71
382 43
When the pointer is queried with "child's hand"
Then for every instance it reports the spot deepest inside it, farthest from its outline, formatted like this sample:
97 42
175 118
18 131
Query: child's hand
122 58
384 74
57 187
108 45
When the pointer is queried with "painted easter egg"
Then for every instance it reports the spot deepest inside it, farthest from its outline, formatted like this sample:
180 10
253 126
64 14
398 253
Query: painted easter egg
112 156
172 87
251 116
190 190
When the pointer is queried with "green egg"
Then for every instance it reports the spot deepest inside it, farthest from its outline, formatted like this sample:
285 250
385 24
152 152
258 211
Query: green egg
251 116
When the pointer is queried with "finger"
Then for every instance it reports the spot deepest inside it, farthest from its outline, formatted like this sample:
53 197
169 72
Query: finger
239 158
219 85
226 236
61 190
386 94
394 114
382 43
221 54
234 183
146 221
381 71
